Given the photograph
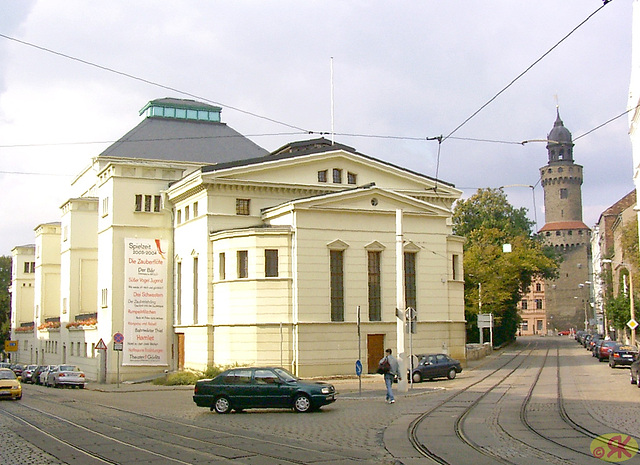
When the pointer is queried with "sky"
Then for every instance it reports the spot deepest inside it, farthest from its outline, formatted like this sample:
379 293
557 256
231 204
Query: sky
387 77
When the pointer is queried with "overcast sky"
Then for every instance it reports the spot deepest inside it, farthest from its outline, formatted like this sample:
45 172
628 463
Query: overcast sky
403 72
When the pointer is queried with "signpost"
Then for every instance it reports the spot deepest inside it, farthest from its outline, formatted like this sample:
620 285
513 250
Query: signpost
485 320
118 341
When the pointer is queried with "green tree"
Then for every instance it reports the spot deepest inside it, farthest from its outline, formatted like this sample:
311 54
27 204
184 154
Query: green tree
5 304
494 279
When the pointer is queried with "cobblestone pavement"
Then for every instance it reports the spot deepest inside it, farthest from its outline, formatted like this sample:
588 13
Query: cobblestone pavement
356 421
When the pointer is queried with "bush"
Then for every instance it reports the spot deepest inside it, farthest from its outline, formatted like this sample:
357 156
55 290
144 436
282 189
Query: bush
180 378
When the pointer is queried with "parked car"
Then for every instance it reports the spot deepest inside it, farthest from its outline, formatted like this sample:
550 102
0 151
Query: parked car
603 349
5 365
35 376
65 375
261 387
623 355
17 369
579 336
432 366
634 372
9 384
592 341
566 332
44 373
27 373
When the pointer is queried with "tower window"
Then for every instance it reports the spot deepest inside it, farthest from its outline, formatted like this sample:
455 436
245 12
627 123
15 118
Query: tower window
337 176
564 193
322 176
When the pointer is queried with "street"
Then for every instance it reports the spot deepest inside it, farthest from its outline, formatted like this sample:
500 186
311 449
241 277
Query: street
503 409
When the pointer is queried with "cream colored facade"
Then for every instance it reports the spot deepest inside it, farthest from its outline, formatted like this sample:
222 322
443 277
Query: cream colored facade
634 95
249 246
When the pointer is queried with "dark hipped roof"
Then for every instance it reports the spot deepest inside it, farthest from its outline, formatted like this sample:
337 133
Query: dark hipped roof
170 139
308 147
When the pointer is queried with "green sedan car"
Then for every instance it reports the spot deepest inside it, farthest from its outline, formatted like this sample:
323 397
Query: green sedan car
263 387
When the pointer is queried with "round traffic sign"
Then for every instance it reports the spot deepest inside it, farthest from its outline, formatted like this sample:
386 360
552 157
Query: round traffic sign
118 338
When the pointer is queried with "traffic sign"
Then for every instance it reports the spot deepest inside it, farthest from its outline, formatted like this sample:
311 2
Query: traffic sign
101 345
358 367
10 346
118 337
633 324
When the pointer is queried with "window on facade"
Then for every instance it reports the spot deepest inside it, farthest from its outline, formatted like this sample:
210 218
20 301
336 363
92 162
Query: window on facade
524 304
29 267
539 325
525 325
410 279
243 264
157 203
105 206
179 293
242 206
186 213
195 290
179 216
104 297
538 304
564 193
337 176
271 263
352 178
147 203
375 303
222 266
322 176
337 285
538 287
195 209
138 206
455 263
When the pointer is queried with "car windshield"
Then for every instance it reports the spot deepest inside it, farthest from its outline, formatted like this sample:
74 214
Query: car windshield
7 374
69 368
285 375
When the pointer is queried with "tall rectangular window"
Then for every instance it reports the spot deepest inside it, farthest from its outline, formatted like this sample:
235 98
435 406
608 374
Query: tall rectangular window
243 264
538 304
147 203
455 264
222 266
179 293
337 285
195 209
138 205
322 176
179 216
524 304
186 213
337 176
104 297
195 290
157 203
352 178
410 279
105 206
271 263
375 305
242 206
564 193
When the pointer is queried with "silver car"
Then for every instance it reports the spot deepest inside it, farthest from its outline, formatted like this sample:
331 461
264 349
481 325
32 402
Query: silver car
66 375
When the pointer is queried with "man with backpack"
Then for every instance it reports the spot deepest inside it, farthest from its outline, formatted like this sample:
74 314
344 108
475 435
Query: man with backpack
388 367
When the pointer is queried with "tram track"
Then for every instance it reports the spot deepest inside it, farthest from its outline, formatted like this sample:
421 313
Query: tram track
170 441
542 416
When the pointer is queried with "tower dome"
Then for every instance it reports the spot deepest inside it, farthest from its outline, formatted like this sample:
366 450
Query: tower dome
559 142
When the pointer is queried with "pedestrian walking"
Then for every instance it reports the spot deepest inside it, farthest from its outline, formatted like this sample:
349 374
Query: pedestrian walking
388 367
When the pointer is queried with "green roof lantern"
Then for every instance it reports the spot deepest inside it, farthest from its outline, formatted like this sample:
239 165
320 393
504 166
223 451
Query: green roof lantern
173 108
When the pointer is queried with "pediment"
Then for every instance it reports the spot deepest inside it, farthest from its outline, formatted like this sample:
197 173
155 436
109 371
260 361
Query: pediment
374 246
337 245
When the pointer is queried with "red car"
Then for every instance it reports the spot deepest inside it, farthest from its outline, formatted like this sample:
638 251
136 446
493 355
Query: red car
566 332
604 348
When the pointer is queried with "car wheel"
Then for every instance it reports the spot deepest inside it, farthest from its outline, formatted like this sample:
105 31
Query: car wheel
452 373
302 403
81 386
417 377
222 405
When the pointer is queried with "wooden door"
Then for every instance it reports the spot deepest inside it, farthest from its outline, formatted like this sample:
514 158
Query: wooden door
180 351
375 351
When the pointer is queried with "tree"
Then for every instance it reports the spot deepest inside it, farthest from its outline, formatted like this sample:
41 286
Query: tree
495 279
5 304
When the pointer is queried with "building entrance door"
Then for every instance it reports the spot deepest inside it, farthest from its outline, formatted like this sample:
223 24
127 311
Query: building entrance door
375 351
180 351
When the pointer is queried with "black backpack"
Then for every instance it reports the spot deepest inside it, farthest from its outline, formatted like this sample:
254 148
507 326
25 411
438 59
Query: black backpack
384 366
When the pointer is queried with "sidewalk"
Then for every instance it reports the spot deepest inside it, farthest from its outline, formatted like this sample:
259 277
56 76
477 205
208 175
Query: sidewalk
347 387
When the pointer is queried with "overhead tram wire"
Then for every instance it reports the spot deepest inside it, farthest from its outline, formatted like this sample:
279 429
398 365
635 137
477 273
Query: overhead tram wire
152 83
525 71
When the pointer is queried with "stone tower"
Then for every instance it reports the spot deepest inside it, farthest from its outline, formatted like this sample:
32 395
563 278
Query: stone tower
568 297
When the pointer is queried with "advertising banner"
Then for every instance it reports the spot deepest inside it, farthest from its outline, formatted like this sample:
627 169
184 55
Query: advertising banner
145 302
